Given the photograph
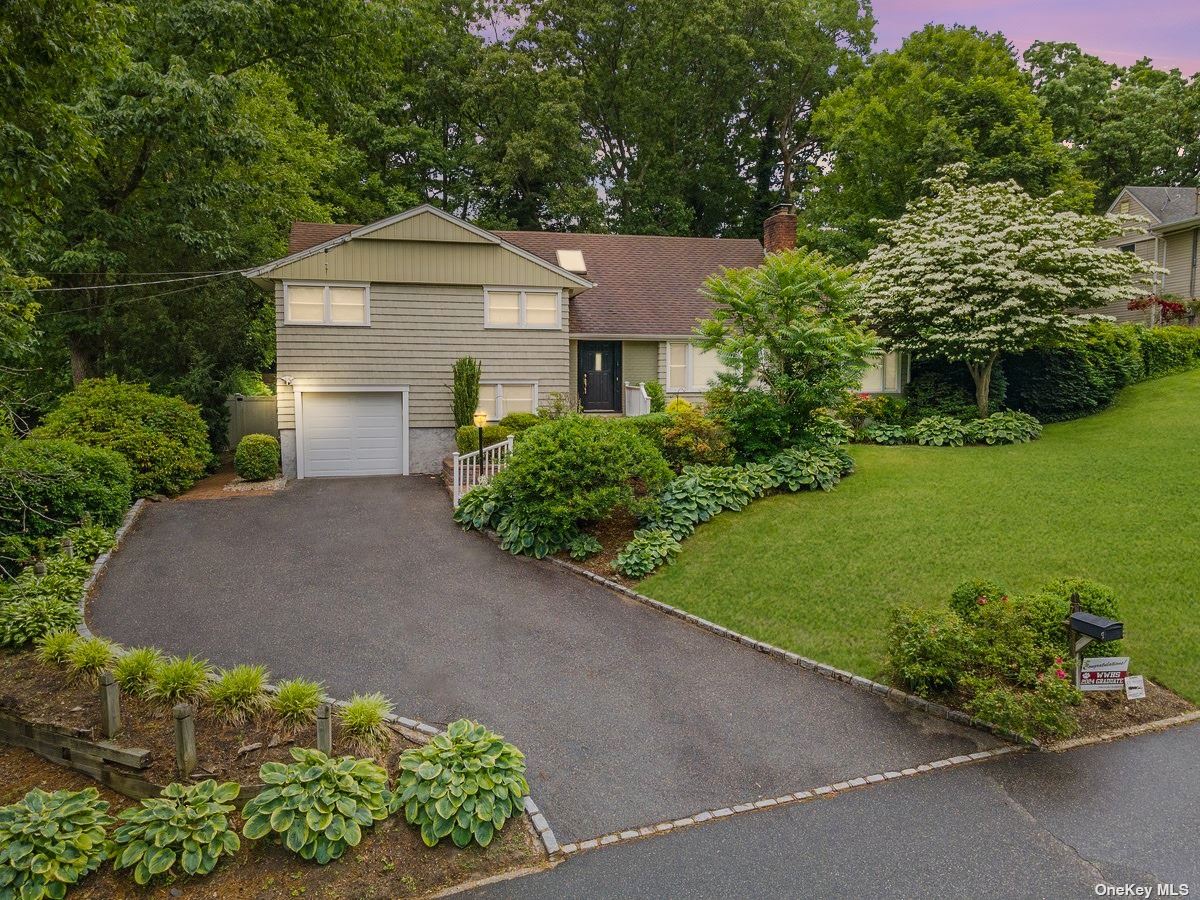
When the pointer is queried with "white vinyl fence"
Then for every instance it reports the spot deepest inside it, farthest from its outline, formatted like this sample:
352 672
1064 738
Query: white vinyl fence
637 401
479 466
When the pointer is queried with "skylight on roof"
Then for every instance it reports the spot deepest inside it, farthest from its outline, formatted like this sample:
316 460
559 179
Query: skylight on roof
572 261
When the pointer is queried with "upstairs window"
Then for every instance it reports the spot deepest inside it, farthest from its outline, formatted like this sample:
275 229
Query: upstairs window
519 308
326 304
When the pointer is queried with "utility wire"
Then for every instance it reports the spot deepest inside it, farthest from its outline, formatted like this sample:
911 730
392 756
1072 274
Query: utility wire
181 290
109 287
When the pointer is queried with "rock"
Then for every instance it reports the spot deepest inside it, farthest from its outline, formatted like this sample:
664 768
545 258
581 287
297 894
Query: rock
275 741
249 748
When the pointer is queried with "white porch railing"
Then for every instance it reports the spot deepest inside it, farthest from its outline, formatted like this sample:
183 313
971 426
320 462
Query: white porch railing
637 401
479 466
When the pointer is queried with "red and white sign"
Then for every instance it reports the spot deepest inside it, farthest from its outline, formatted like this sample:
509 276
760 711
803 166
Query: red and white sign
1104 673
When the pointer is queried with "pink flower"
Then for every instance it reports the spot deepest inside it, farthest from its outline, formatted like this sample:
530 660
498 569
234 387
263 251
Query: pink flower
1058 660
981 600
1060 673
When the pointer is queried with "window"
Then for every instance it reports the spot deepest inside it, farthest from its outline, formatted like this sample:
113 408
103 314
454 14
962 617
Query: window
516 308
882 375
1128 248
689 368
499 399
326 304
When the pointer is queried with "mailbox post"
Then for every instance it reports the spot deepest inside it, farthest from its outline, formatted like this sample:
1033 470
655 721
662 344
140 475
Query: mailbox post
1084 627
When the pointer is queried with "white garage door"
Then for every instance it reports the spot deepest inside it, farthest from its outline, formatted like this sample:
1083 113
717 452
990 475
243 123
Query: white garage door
359 433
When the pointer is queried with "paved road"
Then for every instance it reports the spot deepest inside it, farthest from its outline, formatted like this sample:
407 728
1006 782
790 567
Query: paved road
1024 826
628 717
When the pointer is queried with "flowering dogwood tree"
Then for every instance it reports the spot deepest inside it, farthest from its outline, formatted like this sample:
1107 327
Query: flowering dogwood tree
973 271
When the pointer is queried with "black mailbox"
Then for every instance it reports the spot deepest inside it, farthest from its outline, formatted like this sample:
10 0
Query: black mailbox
1096 627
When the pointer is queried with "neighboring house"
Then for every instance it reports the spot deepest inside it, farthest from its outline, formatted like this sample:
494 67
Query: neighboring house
370 319
1169 238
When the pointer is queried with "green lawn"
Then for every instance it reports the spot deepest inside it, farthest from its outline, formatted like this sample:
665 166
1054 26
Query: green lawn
1114 497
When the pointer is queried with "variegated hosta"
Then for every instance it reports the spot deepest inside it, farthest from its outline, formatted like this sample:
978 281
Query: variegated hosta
318 805
464 784
188 825
50 841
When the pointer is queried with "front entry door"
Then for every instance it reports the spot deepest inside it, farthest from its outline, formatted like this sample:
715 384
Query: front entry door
600 376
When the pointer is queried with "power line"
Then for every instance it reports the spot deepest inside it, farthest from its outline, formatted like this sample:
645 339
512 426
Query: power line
190 287
109 287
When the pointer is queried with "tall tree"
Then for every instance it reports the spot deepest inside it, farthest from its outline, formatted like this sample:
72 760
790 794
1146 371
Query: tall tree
1135 125
972 271
947 95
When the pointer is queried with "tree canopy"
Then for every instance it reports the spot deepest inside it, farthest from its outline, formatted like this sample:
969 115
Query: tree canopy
972 271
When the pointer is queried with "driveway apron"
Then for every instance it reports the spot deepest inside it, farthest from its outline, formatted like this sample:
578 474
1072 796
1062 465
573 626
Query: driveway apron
627 716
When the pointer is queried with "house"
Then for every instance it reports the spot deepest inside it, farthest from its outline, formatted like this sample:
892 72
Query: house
1169 237
370 319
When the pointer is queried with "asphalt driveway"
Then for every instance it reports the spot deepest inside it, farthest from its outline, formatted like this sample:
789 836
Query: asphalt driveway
627 716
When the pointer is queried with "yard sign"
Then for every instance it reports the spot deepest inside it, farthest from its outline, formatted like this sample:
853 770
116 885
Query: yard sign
1104 673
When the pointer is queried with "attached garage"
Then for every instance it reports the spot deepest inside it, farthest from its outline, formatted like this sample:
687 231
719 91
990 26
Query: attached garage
351 431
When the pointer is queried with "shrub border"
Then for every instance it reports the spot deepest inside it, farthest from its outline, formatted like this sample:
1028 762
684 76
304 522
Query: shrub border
416 730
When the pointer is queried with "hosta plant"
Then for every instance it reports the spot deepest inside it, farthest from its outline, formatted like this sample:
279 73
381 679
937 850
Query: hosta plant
239 693
1006 428
29 618
318 805
584 545
186 829
48 842
54 648
180 680
464 784
137 670
89 541
89 657
818 468
648 550
939 431
296 701
56 584
883 433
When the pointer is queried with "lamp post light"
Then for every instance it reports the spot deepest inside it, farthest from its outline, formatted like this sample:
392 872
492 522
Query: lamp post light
480 419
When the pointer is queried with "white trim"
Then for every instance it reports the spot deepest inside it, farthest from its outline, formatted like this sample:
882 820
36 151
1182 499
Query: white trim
259 271
298 392
521 315
689 370
306 282
500 393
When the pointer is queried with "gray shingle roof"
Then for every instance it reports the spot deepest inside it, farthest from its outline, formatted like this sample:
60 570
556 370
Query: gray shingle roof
1168 204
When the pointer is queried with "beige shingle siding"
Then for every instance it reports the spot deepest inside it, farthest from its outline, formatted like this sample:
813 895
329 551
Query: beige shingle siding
639 361
416 334
1180 263
421 262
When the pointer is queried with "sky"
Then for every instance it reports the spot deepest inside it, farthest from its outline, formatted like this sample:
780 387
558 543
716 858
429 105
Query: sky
1120 31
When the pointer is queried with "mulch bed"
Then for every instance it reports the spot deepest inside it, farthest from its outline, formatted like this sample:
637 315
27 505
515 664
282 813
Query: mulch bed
1103 711
391 861
613 534
40 693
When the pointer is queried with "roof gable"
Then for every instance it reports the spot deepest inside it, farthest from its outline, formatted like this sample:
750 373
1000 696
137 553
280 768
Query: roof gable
1162 205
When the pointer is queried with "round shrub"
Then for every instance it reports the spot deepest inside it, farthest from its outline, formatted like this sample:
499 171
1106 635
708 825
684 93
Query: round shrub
257 457
690 438
968 597
519 421
46 485
928 649
163 439
464 784
569 472
1052 605
467 437
757 422
650 426
48 842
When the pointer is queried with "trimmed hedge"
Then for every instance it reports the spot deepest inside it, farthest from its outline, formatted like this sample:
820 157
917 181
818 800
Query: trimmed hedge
257 457
48 486
163 439
467 437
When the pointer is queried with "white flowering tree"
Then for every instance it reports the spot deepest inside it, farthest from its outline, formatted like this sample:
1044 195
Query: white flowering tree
973 271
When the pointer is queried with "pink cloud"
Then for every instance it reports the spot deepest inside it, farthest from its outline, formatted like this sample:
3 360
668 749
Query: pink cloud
1116 30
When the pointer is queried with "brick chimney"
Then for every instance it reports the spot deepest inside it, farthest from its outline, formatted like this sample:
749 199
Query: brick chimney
779 229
